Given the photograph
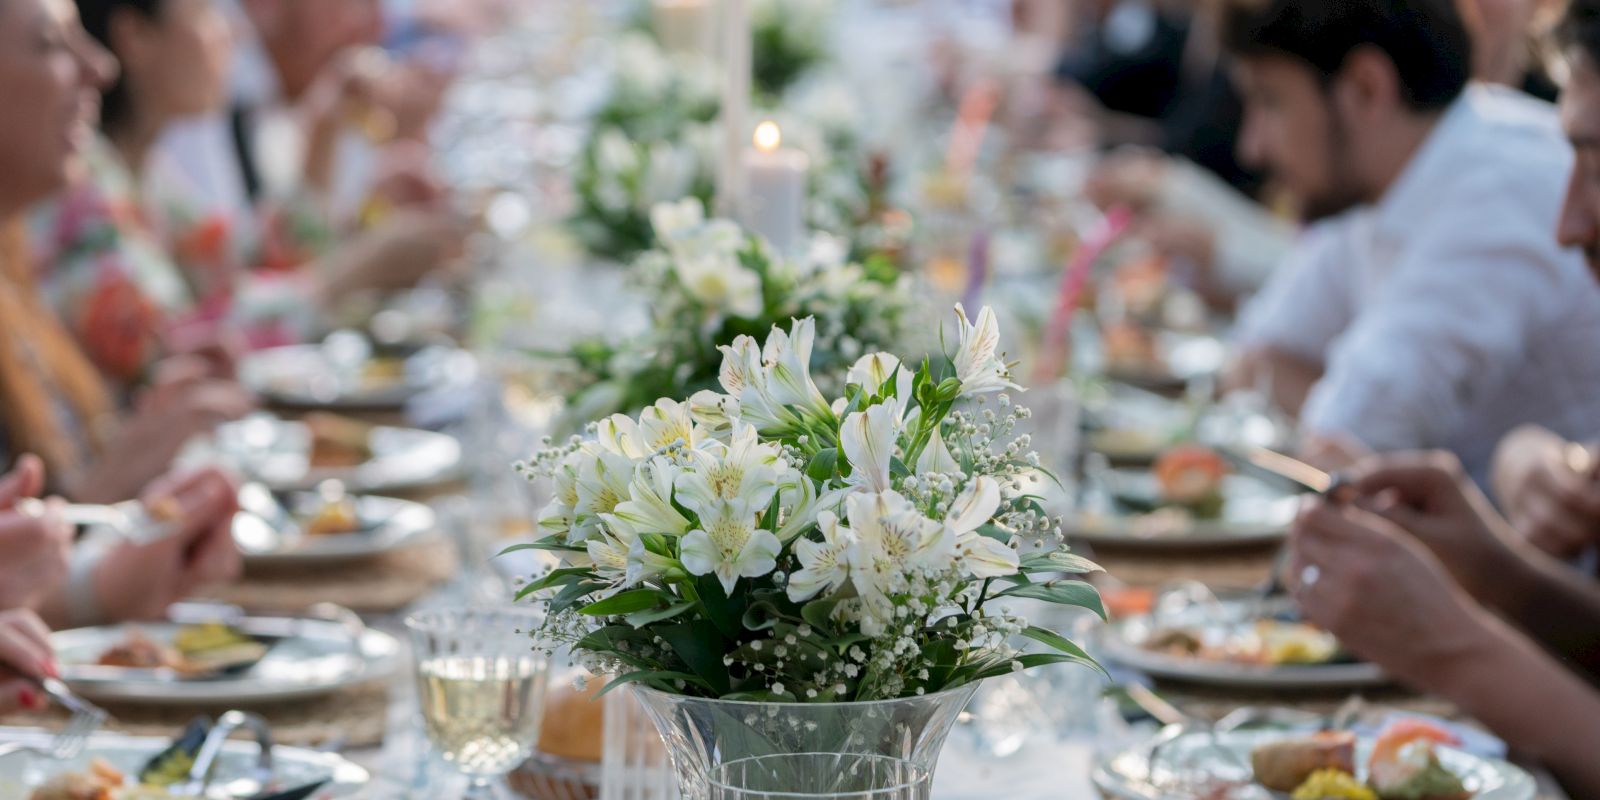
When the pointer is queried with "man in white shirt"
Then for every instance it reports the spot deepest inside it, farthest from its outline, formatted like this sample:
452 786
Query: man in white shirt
1430 307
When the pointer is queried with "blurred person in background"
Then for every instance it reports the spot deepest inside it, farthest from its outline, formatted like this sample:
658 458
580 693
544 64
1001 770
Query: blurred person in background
53 401
1429 307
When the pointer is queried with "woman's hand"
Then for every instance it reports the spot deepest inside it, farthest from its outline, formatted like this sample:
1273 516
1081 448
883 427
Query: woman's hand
35 541
25 655
1549 490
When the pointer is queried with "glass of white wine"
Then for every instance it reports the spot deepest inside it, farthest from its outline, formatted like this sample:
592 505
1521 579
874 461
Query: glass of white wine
482 685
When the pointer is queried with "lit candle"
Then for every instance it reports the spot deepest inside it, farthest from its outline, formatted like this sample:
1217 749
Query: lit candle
685 26
776 204
736 65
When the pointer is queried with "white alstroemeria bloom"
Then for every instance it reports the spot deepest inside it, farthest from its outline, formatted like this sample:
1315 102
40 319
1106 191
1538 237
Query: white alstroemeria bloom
745 470
666 422
671 220
557 517
602 484
649 509
788 360
873 370
619 434
729 545
714 413
609 559
936 457
978 364
720 282
744 376
825 565
977 555
645 564
867 439
800 504
892 538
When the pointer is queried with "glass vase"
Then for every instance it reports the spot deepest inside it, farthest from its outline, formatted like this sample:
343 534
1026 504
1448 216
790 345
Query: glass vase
730 750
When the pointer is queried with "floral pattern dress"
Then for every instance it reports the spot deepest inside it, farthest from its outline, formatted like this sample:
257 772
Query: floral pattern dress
135 279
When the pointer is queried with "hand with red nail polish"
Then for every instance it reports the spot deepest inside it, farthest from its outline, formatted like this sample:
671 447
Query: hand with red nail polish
25 654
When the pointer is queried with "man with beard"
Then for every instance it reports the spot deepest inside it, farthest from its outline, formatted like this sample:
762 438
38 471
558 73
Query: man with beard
1430 307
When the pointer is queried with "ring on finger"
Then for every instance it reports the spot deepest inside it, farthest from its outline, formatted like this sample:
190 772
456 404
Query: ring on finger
1309 576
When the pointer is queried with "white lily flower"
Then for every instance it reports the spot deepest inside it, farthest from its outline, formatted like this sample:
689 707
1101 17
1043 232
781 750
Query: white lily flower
609 559
745 470
602 484
892 538
788 359
974 507
721 283
619 434
671 220
978 364
982 557
873 370
649 508
645 564
867 439
666 422
800 506
825 565
936 457
729 545
744 376
714 413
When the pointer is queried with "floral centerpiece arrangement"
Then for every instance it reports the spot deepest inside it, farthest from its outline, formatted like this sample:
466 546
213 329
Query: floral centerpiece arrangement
789 40
768 543
708 282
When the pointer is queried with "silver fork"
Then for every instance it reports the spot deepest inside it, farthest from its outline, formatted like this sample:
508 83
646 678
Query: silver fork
68 743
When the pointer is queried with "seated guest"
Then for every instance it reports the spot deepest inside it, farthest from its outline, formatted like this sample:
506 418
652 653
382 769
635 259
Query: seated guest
1425 579
52 400
1430 307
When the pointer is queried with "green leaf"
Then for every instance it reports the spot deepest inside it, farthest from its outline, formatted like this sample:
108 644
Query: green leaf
823 465
701 649
995 532
817 614
639 619
1059 561
552 543
1032 660
724 612
559 577
1064 593
573 594
1055 640
651 676
626 603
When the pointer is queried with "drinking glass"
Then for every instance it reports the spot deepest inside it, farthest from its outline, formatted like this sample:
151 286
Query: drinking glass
482 687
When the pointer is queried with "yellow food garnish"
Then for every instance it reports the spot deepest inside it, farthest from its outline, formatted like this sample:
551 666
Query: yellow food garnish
193 639
1333 784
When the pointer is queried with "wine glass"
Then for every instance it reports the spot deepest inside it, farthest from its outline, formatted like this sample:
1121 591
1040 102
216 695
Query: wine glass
482 686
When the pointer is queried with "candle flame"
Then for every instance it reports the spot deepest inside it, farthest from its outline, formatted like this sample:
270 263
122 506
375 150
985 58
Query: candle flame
768 136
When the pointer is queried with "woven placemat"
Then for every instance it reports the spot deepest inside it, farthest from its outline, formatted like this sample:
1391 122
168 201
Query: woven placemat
354 717
382 585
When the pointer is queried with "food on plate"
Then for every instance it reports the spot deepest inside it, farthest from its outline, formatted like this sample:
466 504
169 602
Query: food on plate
1267 643
1333 784
1405 763
338 441
1131 349
573 721
1141 283
203 649
334 516
382 372
1284 765
1190 477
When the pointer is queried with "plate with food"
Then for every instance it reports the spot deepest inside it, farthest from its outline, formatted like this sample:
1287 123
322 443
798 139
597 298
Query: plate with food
1189 498
368 459
117 767
1242 644
1163 361
329 525
246 660
350 374
1408 760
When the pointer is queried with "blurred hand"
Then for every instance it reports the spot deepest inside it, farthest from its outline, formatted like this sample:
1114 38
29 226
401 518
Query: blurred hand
406 179
24 653
1430 497
35 542
1380 591
139 582
1549 490
397 253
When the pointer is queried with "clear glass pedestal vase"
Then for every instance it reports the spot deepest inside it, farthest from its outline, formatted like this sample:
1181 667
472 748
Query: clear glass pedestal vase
728 750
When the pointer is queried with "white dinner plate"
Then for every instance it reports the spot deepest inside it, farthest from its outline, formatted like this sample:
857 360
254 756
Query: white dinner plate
292 766
1182 766
1254 514
305 377
313 658
1123 642
278 453
388 524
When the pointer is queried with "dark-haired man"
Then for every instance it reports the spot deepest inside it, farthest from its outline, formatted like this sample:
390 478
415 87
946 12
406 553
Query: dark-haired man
1430 308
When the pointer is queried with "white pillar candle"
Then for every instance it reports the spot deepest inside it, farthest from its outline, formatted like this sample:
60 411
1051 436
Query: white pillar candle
736 64
776 205
685 26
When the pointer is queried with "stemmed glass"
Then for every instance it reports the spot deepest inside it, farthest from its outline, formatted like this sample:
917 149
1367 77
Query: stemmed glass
482 689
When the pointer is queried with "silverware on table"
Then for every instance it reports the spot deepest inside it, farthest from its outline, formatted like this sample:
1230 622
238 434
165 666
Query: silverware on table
68 743
129 520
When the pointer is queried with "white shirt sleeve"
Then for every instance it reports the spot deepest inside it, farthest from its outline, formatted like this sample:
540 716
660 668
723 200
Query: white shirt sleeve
1449 325
1309 299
